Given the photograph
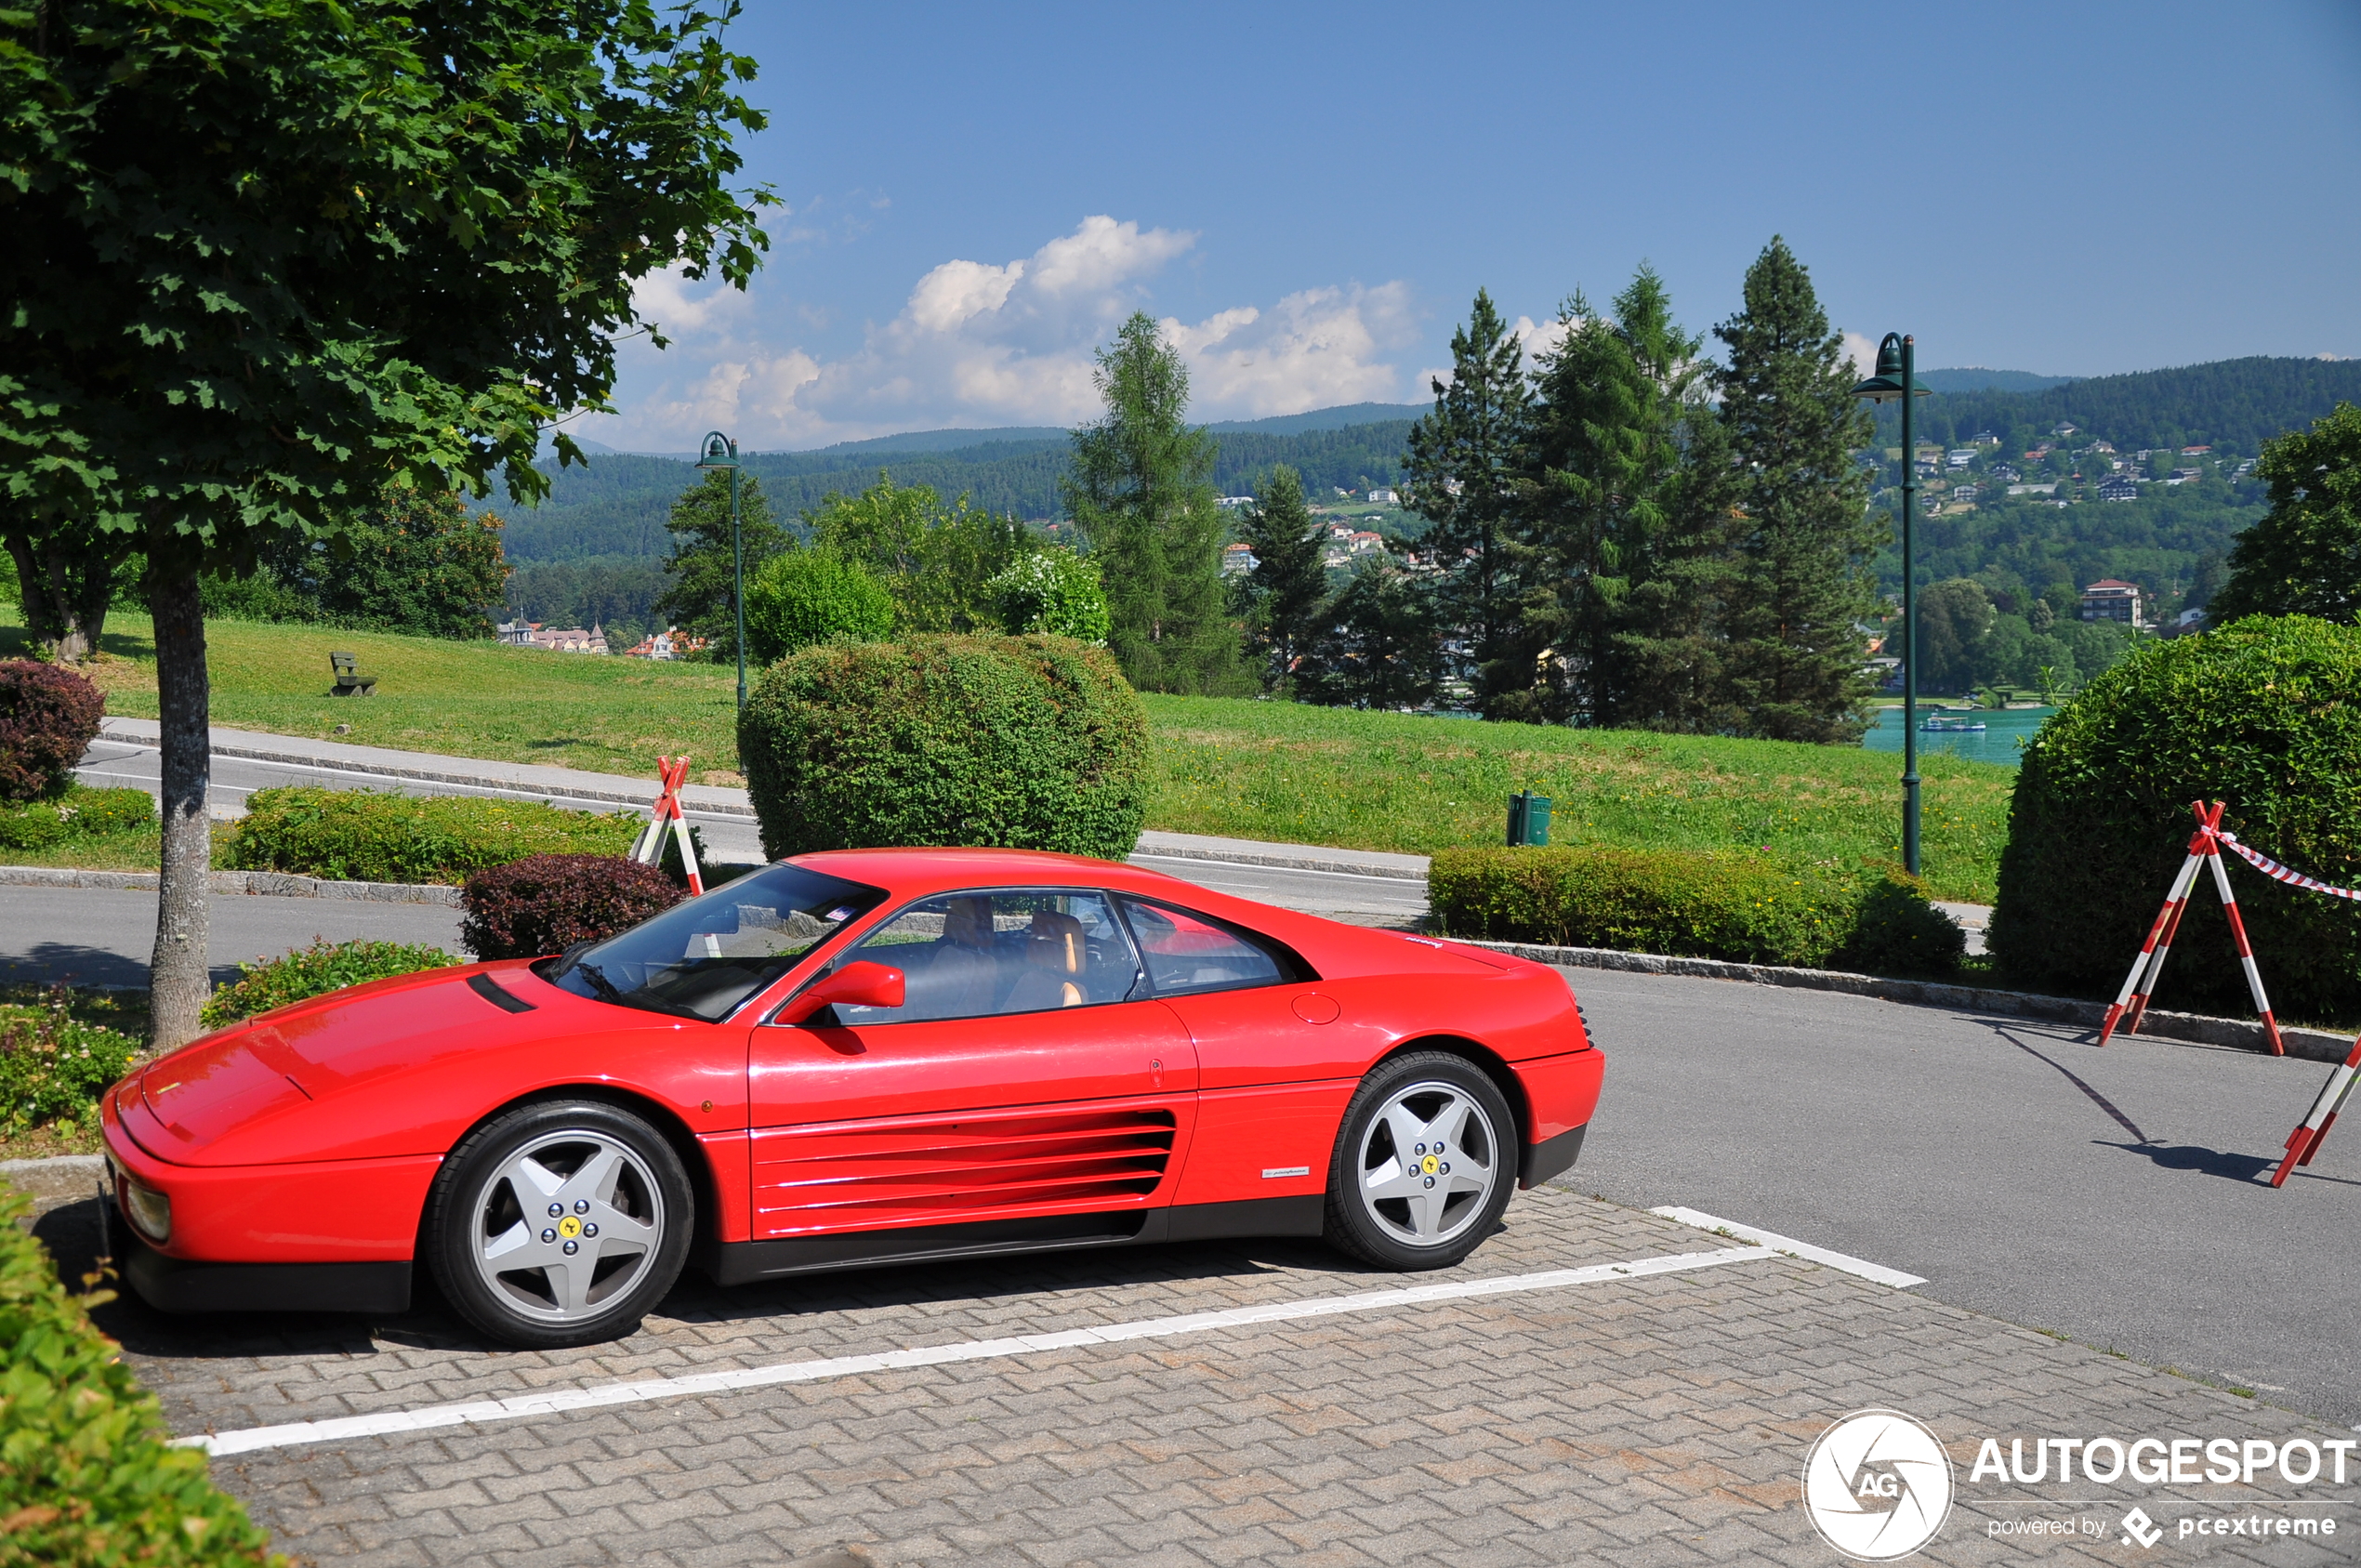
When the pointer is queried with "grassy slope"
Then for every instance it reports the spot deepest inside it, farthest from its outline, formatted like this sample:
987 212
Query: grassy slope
1252 770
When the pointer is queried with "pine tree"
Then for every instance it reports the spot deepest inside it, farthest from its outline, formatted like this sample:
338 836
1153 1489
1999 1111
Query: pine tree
1288 585
1628 526
2305 557
1142 492
1464 474
701 567
1376 647
1804 585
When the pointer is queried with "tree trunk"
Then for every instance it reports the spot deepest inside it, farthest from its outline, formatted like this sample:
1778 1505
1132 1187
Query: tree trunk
178 975
65 591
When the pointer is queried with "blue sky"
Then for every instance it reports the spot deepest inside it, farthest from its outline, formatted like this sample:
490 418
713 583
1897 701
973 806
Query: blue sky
1309 195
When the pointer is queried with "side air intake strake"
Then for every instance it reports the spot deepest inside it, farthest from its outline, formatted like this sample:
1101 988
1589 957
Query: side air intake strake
974 1167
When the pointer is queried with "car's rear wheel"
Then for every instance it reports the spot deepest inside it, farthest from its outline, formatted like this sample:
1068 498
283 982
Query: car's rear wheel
1424 1162
561 1223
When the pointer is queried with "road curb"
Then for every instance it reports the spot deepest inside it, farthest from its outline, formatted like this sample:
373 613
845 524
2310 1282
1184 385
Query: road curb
272 884
1164 849
2308 1045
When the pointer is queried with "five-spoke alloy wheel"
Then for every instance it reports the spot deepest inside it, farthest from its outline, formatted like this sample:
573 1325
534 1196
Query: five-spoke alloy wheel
561 1223
1423 1165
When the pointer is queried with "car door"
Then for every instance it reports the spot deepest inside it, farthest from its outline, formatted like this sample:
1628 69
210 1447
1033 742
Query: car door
1026 1075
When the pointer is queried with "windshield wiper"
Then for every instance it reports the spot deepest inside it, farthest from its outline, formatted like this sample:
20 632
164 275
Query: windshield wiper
608 992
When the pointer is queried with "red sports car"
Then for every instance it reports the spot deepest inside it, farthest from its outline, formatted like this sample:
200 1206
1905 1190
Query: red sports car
873 1056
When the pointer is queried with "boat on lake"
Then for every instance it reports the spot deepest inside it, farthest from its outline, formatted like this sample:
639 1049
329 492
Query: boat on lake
1954 726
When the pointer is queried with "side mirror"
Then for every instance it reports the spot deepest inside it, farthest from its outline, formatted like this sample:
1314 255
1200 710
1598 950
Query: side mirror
855 985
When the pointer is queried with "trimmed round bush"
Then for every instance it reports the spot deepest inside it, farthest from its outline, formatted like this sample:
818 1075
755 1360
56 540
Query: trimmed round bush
48 717
265 984
546 903
1032 743
2264 714
805 596
1054 591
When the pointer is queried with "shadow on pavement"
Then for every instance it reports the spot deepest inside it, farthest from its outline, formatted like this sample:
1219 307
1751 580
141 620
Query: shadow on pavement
48 962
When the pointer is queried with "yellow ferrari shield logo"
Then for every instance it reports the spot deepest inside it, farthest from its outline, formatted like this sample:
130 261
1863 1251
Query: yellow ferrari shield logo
569 1227
1430 1164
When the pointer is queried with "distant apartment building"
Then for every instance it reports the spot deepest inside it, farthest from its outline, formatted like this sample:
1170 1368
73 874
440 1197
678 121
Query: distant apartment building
2005 473
1960 458
1364 542
1237 560
1231 502
568 639
2119 488
2110 599
1383 496
2195 451
2184 476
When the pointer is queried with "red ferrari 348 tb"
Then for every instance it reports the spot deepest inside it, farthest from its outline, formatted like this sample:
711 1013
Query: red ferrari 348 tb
861 1056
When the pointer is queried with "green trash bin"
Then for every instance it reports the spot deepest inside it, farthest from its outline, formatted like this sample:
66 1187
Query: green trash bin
1528 818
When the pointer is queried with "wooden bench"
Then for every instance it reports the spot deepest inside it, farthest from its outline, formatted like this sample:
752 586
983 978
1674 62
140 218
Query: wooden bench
349 682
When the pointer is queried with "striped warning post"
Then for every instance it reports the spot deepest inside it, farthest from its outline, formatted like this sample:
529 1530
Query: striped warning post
2311 1132
648 848
2246 950
2131 1003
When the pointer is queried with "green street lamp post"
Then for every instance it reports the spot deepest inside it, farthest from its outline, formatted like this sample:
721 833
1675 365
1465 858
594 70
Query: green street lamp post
1897 358
720 452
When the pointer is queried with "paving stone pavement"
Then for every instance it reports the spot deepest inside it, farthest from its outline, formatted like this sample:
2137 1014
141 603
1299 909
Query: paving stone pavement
1661 1420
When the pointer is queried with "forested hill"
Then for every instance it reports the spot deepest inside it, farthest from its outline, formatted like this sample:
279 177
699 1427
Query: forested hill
616 507
2232 405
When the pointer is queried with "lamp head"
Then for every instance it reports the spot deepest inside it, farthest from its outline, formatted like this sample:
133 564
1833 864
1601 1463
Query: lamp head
720 451
1886 385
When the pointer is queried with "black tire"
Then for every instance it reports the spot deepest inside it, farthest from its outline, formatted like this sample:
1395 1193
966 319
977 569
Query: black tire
602 1246
1442 1197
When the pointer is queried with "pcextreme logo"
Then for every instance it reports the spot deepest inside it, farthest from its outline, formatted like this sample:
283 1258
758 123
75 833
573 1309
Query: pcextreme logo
1877 1486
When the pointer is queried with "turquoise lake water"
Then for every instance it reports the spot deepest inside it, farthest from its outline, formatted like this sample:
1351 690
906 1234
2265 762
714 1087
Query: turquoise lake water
1998 742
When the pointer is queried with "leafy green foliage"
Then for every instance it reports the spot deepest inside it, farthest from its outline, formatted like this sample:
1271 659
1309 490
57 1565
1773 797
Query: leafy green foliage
1285 592
413 560
546 903
54 1067
1465 464
361 835
265 984
48 717
1140 492
1377 646
813 596
937 562
2232 404
1022 743
1800 584
78 814
1055 592
2260 714
1747 908
91 1480
705 562
2304 558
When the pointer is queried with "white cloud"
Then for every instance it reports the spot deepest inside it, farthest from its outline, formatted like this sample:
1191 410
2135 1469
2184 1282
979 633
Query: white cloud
1534 338
983 344
1863 353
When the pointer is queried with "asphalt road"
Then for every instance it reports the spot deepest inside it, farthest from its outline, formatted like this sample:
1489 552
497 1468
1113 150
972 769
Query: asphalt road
104 936
2119 1196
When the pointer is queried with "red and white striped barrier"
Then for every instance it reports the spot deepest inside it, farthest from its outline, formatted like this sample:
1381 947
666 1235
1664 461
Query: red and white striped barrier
648 848
2205 849
2278 872
2304 1141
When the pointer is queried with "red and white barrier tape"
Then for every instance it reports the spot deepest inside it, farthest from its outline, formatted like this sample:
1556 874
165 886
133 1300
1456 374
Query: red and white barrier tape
2278 872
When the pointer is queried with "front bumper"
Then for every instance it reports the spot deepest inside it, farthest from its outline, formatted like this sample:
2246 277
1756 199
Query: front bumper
179 1285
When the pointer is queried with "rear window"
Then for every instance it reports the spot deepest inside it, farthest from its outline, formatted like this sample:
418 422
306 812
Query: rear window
1185 951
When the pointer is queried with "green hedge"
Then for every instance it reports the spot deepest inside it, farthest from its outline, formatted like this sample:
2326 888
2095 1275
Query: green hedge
79 813
87 1477
1019 742
362 835
53 1070
1745 908
265 984
2264 714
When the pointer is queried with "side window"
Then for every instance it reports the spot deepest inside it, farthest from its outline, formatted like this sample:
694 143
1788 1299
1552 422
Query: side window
1187 952
982 955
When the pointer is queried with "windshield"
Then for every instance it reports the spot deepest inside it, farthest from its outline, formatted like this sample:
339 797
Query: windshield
702 958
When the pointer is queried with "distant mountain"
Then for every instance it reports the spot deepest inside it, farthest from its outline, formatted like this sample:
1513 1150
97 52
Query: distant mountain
1344 417
1975 378
2232 405
940 441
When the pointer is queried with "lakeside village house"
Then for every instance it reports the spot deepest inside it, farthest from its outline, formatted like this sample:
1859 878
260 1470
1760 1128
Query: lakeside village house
669 643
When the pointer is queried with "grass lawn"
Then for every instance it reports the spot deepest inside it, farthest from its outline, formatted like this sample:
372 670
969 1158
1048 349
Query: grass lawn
1250 769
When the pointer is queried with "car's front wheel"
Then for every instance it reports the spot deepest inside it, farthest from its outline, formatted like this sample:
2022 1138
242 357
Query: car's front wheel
561 1223
1424 1162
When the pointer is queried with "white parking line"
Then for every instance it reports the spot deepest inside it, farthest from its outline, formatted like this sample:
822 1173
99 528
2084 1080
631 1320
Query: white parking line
558 1402
1877 1273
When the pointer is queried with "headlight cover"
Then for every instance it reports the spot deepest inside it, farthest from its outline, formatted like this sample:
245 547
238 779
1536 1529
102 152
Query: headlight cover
149 1210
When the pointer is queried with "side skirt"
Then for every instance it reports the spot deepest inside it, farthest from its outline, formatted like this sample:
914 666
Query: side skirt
742 1262
174 1285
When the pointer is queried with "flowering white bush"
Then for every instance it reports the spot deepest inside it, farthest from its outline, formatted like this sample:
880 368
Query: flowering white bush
1054 591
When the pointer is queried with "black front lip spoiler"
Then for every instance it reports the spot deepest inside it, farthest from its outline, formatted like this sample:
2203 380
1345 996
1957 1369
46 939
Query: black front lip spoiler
177 1285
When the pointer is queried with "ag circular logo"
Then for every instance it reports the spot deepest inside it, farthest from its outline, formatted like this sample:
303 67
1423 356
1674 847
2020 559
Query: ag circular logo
1877 1486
